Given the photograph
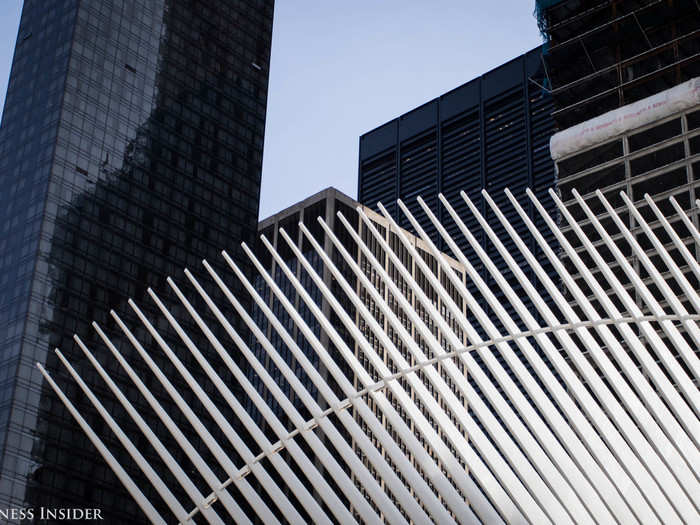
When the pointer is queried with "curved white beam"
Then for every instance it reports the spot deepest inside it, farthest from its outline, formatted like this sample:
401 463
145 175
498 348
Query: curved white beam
599 447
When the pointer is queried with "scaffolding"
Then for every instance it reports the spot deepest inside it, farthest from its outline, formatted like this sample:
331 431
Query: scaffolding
601 56
541 7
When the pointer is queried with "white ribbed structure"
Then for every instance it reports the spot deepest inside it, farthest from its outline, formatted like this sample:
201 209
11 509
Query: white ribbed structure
607 433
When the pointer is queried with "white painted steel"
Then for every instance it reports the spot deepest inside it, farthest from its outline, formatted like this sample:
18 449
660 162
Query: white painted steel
482 507
388 475
157 444
691 359
204 469
506 506
317 445
592 499
427 464
590 445
688 480
683 382
644 478
678 244
537 486
553 448
131 487
659 468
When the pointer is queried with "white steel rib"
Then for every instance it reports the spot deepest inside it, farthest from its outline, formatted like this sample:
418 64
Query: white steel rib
369 377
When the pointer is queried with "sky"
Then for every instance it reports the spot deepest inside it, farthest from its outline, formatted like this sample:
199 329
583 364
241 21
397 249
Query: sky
341 68
9 22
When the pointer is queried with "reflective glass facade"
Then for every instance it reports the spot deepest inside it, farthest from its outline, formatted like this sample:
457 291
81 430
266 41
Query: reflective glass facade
130 147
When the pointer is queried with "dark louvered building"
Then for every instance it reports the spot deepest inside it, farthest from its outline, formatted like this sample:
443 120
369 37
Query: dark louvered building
490 133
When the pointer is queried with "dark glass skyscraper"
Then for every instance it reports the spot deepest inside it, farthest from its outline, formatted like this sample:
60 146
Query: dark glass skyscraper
130 147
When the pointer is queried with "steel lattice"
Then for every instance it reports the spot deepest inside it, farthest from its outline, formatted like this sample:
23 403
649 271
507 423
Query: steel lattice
604 430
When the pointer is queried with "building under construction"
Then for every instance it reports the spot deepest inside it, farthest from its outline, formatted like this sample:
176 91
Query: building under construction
601 55
625 79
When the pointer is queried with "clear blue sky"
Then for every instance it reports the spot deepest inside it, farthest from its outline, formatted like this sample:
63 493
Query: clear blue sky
340 69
